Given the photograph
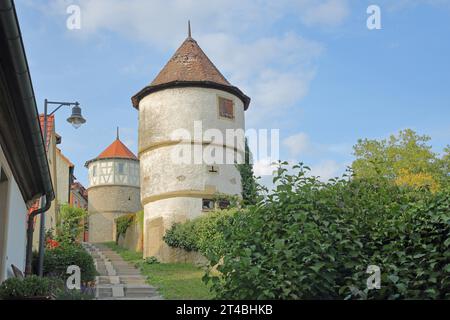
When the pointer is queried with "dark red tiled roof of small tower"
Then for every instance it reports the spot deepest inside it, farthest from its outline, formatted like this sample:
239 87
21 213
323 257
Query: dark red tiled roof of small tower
189 67
190 63
117 150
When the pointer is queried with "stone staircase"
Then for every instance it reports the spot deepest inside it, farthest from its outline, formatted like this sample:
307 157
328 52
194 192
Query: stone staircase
118 280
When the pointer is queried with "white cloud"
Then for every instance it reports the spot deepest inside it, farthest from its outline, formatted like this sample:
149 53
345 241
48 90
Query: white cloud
329 13
274 70
157 21
298 144
264 167
327 169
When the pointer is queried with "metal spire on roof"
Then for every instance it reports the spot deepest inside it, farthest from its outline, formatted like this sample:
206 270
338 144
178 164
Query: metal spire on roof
117 133
189 29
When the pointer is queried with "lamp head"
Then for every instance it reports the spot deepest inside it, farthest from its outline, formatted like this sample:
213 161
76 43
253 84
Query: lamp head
76 119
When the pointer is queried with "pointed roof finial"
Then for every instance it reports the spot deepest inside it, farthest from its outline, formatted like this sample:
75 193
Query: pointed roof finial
117 133
189 29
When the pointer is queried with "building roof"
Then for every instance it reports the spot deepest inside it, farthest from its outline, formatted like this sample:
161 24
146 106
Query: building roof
69 163
116 150
190 63
190 67
50 128
20 135
80 189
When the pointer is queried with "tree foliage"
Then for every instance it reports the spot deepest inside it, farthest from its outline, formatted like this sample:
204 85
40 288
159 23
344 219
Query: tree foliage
405 159
315 240
72 223
249 183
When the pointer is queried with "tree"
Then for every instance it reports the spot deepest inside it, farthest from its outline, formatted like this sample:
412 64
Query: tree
405 159
249 184
445 166
72 223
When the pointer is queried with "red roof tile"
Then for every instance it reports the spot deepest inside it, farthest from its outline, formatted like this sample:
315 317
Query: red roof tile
50 128
117 150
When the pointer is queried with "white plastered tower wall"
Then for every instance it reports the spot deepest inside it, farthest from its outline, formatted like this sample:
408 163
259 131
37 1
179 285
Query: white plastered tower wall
113 191
173 192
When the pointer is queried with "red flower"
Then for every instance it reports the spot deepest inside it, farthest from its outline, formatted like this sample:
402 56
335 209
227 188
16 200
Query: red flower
52 244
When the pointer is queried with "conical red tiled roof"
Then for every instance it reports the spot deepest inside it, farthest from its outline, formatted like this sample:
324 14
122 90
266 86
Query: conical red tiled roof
190 67
117 150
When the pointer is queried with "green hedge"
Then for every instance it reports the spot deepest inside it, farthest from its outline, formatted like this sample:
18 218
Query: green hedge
314 240
57 260
29 287
202 234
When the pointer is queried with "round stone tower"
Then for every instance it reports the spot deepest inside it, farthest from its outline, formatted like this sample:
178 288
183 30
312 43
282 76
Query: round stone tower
113 190
192 97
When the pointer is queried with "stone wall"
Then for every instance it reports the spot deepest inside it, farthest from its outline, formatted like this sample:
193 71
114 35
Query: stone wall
106 203
133 238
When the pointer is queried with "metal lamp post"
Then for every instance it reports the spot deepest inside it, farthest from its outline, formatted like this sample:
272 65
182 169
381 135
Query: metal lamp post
76 119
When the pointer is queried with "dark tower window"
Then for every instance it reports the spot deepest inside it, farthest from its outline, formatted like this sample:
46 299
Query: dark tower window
121 168
226 108
224 204
208 204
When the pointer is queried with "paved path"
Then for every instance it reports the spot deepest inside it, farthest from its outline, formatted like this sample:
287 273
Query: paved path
118 279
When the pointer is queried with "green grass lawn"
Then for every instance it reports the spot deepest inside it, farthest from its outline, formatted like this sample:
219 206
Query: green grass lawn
174 280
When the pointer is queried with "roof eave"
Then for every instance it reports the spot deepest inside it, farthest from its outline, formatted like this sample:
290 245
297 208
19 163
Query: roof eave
182 84
108 158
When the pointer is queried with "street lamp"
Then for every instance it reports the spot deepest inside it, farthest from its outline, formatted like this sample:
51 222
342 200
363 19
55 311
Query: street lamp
76 119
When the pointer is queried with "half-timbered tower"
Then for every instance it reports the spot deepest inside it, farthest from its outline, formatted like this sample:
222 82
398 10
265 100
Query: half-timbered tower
113 189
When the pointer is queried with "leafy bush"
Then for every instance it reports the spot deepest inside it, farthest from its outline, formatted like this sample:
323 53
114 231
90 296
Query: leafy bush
86 293
151 260
201 234
314 240
72 225
57 260
29 287
123 223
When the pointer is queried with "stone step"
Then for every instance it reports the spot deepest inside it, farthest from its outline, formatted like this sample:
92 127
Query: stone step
140 292
104 292
118 279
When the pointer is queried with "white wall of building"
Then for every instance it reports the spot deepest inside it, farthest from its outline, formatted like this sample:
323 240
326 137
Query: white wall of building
13 223
63 176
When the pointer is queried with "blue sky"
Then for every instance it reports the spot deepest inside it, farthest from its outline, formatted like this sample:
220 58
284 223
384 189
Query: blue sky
312 68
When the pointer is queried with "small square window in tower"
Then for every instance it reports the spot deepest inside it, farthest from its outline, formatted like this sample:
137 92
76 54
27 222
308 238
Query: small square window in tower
226 108
208 204
224 204
121 168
